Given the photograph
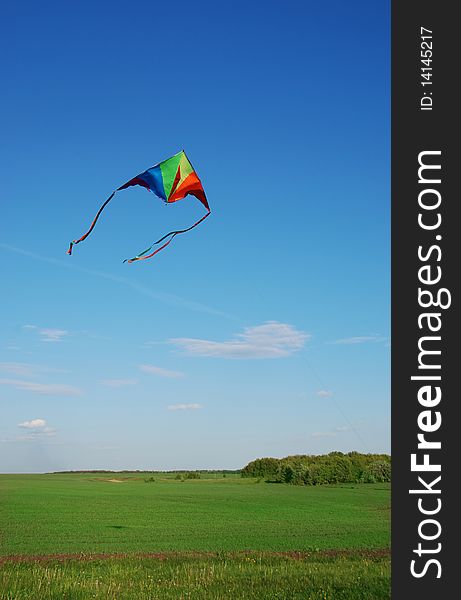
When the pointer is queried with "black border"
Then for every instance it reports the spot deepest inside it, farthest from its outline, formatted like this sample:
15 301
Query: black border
413 131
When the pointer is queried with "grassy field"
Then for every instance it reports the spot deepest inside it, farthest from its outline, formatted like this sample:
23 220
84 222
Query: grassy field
217 538
214 578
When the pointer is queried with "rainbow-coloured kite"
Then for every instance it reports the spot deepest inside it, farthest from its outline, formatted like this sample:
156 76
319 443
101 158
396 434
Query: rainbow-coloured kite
172 179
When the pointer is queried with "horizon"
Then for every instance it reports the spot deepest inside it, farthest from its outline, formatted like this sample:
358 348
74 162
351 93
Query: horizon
178 470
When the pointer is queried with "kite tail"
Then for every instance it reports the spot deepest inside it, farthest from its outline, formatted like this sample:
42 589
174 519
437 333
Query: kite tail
142 255
84 236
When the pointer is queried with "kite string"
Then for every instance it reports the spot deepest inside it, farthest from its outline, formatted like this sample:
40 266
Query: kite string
85 235
336 403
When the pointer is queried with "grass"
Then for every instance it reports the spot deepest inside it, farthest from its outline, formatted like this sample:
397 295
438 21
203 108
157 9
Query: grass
218 538
46 514
214 578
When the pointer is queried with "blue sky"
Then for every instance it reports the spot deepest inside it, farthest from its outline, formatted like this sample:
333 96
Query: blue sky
264 331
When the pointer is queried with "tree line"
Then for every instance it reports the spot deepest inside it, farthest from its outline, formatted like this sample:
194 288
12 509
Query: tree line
335 467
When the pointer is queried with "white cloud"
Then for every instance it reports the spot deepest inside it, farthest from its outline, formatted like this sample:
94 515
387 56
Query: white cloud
33 424
27 369
192 406
51 389
360 339
116 383
22 369
161 372
270 340
36 434
48 334
37 429
325 393
166 298
341 429
53 335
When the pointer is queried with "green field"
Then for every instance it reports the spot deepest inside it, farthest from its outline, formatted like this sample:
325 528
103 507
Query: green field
216 536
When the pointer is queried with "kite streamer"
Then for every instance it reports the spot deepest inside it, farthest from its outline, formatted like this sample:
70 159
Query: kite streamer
171 180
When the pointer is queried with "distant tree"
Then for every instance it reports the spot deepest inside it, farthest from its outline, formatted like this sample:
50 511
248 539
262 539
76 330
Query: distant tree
261 467
335 467
377 471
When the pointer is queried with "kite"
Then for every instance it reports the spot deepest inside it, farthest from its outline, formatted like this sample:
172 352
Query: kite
171 180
